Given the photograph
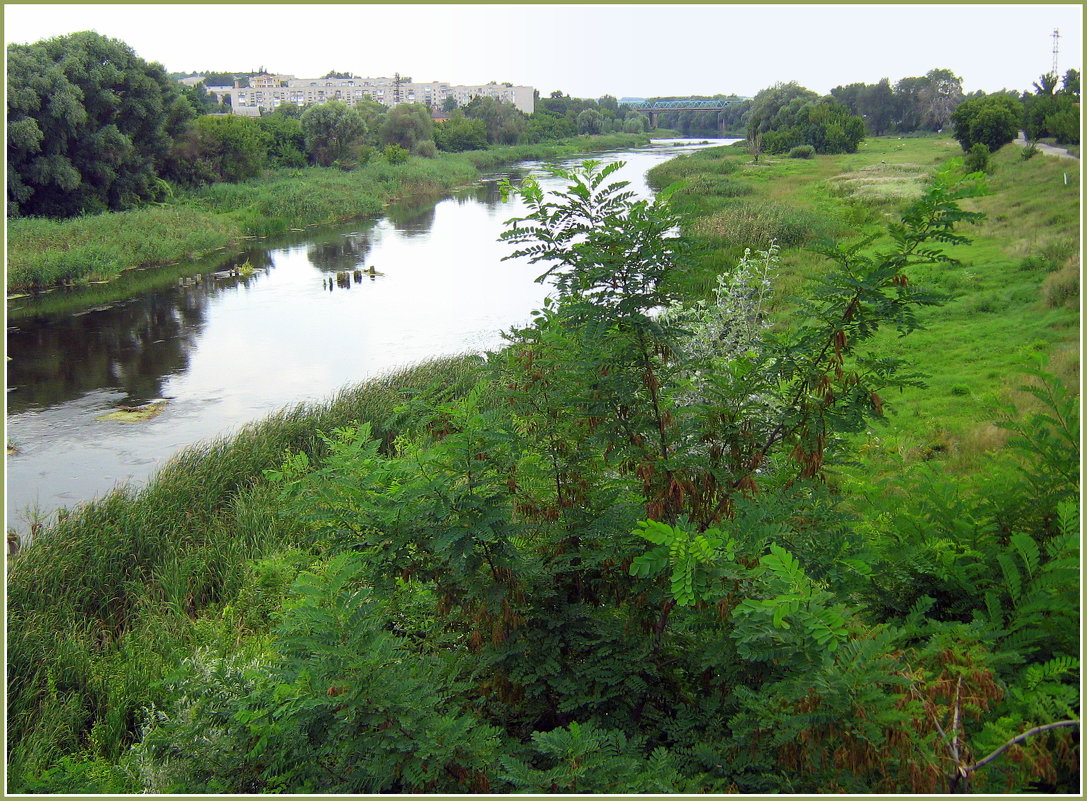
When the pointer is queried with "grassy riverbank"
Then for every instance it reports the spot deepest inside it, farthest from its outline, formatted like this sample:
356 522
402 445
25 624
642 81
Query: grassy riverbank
110 601
44 253
1011 303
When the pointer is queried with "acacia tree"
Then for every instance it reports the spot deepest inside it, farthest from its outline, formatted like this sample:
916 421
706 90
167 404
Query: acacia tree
89 125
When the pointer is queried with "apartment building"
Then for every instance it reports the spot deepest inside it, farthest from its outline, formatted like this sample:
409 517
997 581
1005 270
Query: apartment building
271 91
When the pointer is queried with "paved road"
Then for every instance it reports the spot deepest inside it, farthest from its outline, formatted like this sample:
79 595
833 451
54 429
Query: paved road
1049 150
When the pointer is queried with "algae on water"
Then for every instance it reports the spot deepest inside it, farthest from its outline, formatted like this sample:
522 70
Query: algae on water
134 414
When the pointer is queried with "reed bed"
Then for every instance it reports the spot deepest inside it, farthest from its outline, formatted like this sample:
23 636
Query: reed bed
44 253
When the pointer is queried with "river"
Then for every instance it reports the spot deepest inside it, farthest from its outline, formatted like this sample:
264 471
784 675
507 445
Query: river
225 350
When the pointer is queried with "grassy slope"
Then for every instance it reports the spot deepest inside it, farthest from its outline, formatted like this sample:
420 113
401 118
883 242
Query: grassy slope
113 597
44 253
1013 300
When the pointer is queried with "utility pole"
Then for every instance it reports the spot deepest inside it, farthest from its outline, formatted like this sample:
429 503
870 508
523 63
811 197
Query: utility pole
1056 48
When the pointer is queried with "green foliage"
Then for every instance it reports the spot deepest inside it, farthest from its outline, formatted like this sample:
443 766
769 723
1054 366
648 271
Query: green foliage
787 116
625 560
331 130
406 125
991 120
395 154
89 126
802 152
977 160
460 133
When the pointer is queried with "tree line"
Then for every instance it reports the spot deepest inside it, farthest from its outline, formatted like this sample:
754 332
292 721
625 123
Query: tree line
92 127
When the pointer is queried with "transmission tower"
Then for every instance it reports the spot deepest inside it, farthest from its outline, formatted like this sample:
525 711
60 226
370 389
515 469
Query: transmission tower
1056 47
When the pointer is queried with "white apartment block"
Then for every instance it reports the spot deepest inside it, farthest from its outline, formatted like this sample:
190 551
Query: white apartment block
271 91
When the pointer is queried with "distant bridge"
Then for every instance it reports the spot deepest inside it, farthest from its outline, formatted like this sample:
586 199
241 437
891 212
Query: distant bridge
652 108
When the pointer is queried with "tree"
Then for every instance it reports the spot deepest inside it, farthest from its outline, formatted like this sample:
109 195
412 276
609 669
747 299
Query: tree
505 124
237 147
788 115
590 121
1053 112
449 103
460 133
406 125
89 125
286 144
992 120
939 97
331 130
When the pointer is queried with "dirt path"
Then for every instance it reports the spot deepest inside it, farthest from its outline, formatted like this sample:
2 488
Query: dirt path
1049 150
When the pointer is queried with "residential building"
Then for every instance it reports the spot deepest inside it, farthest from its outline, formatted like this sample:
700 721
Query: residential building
271 91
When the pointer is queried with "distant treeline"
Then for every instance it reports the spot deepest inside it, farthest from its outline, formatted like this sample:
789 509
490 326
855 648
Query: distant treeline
92 127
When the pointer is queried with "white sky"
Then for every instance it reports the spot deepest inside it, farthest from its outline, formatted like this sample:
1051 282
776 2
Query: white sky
589 50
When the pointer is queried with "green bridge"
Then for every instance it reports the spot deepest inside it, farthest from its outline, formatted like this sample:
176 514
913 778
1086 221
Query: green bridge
653 108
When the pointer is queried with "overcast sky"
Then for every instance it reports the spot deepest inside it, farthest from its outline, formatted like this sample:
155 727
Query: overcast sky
589 50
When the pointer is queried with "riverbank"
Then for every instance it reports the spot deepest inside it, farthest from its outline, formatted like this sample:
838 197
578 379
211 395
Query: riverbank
44 253
116 596
1010 303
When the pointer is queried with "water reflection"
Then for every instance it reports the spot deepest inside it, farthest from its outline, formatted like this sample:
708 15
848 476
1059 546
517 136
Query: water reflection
265 328
343 252
412 218
131 347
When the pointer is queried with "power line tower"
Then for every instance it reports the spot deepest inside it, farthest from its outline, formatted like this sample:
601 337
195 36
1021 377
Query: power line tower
1056 47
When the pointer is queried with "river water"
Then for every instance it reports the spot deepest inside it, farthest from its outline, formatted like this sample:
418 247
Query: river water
228 349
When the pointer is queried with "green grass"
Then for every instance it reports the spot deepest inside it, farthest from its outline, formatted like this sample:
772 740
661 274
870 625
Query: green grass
1012 301
45 253
107 599
110 599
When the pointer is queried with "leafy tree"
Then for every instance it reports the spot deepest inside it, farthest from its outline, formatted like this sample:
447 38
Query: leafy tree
1051 111
406 125
449 103
201 101
590 121
1070 83
788 115
219 148
218 78
89 126
939 97
992 120
505 124
331 130
460 133
286 138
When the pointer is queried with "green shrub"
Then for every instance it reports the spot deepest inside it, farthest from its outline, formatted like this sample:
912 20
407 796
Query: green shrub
978 160
395 154
802 152
425 149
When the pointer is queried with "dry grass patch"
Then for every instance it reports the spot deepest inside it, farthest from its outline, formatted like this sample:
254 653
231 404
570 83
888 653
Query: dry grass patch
881 184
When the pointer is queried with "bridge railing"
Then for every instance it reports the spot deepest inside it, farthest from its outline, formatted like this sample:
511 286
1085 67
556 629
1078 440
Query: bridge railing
677 105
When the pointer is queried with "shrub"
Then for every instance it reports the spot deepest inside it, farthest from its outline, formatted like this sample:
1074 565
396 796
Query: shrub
1029 152
977 160
394 154
802 152
425 149
1062 288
